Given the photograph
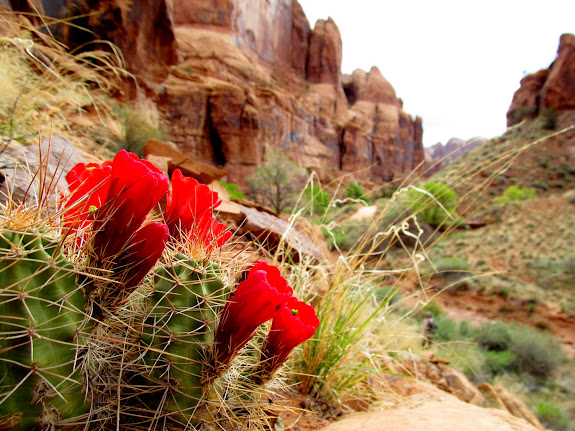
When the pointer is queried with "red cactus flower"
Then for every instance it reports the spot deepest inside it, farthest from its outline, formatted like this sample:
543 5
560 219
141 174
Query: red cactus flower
140 255
136 186
209 233
294 323
89 185
255 301
187 203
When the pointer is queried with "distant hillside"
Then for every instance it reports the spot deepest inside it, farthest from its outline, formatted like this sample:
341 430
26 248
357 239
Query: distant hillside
438 156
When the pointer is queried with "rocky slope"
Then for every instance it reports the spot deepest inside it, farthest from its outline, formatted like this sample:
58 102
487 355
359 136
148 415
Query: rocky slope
237 79
548 88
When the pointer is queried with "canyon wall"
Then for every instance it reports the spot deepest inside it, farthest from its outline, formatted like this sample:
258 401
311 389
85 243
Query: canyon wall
238 79
553 87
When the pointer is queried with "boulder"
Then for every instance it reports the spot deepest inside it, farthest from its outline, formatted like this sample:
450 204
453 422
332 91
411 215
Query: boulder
28 171
509 402
169 159
432 413
272 230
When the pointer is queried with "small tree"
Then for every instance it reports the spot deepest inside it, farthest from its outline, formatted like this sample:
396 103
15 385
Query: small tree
277 182
434 203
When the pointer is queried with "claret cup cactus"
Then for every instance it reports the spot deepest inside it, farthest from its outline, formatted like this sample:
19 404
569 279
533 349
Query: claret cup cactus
117 313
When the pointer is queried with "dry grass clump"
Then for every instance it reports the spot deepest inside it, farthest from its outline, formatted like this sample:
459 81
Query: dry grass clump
48 89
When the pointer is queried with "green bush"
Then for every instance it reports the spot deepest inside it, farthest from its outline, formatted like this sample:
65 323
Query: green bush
434 203
517 193
499 362
317 199
345 235
552 416
233 190
493 336
277 182
536 352
354 191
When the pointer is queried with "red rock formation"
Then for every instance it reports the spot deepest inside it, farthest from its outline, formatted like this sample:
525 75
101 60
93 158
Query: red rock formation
549 88
142 29
438 156
324 54
380 139
252 77
559 88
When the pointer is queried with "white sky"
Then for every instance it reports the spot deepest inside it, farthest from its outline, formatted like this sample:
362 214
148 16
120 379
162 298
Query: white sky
454 63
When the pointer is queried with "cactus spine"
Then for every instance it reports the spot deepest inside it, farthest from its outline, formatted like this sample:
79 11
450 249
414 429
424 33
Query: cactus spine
41 312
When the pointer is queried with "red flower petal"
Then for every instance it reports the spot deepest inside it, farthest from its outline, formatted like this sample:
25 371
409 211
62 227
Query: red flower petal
141 254
136 186
293 324
187 203
255 301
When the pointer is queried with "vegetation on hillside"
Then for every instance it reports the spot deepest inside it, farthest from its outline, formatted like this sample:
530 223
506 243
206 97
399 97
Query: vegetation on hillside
418 243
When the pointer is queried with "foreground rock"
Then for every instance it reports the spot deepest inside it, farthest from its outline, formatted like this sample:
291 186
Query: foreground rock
432 413
29 172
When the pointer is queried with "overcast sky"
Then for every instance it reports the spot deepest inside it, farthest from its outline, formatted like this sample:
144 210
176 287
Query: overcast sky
454 63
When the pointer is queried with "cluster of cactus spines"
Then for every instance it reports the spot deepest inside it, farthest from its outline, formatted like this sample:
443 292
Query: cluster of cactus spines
41 314
124 343
177 331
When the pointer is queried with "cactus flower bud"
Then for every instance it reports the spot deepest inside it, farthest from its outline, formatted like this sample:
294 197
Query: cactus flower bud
294 323
136 186
89 185
142 253
187 203
256 300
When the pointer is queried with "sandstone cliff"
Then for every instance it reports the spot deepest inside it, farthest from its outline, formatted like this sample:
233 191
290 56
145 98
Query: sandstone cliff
549 88
438 156
236 79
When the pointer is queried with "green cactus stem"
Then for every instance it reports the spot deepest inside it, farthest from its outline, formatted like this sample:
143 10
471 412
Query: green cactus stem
41 312
177 332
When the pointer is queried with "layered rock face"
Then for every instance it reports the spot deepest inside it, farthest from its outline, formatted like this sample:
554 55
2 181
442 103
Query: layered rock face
141 29
549 88
438 156
238 79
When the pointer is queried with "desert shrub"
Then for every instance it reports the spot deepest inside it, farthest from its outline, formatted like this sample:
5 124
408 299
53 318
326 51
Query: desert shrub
548 118
517 193
277 182
447 330
498 362
233 190
388 294
528 350
434 203
524 112
552 416
317 199
536 352
354 191
493 336
344 236
452 269
138 125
